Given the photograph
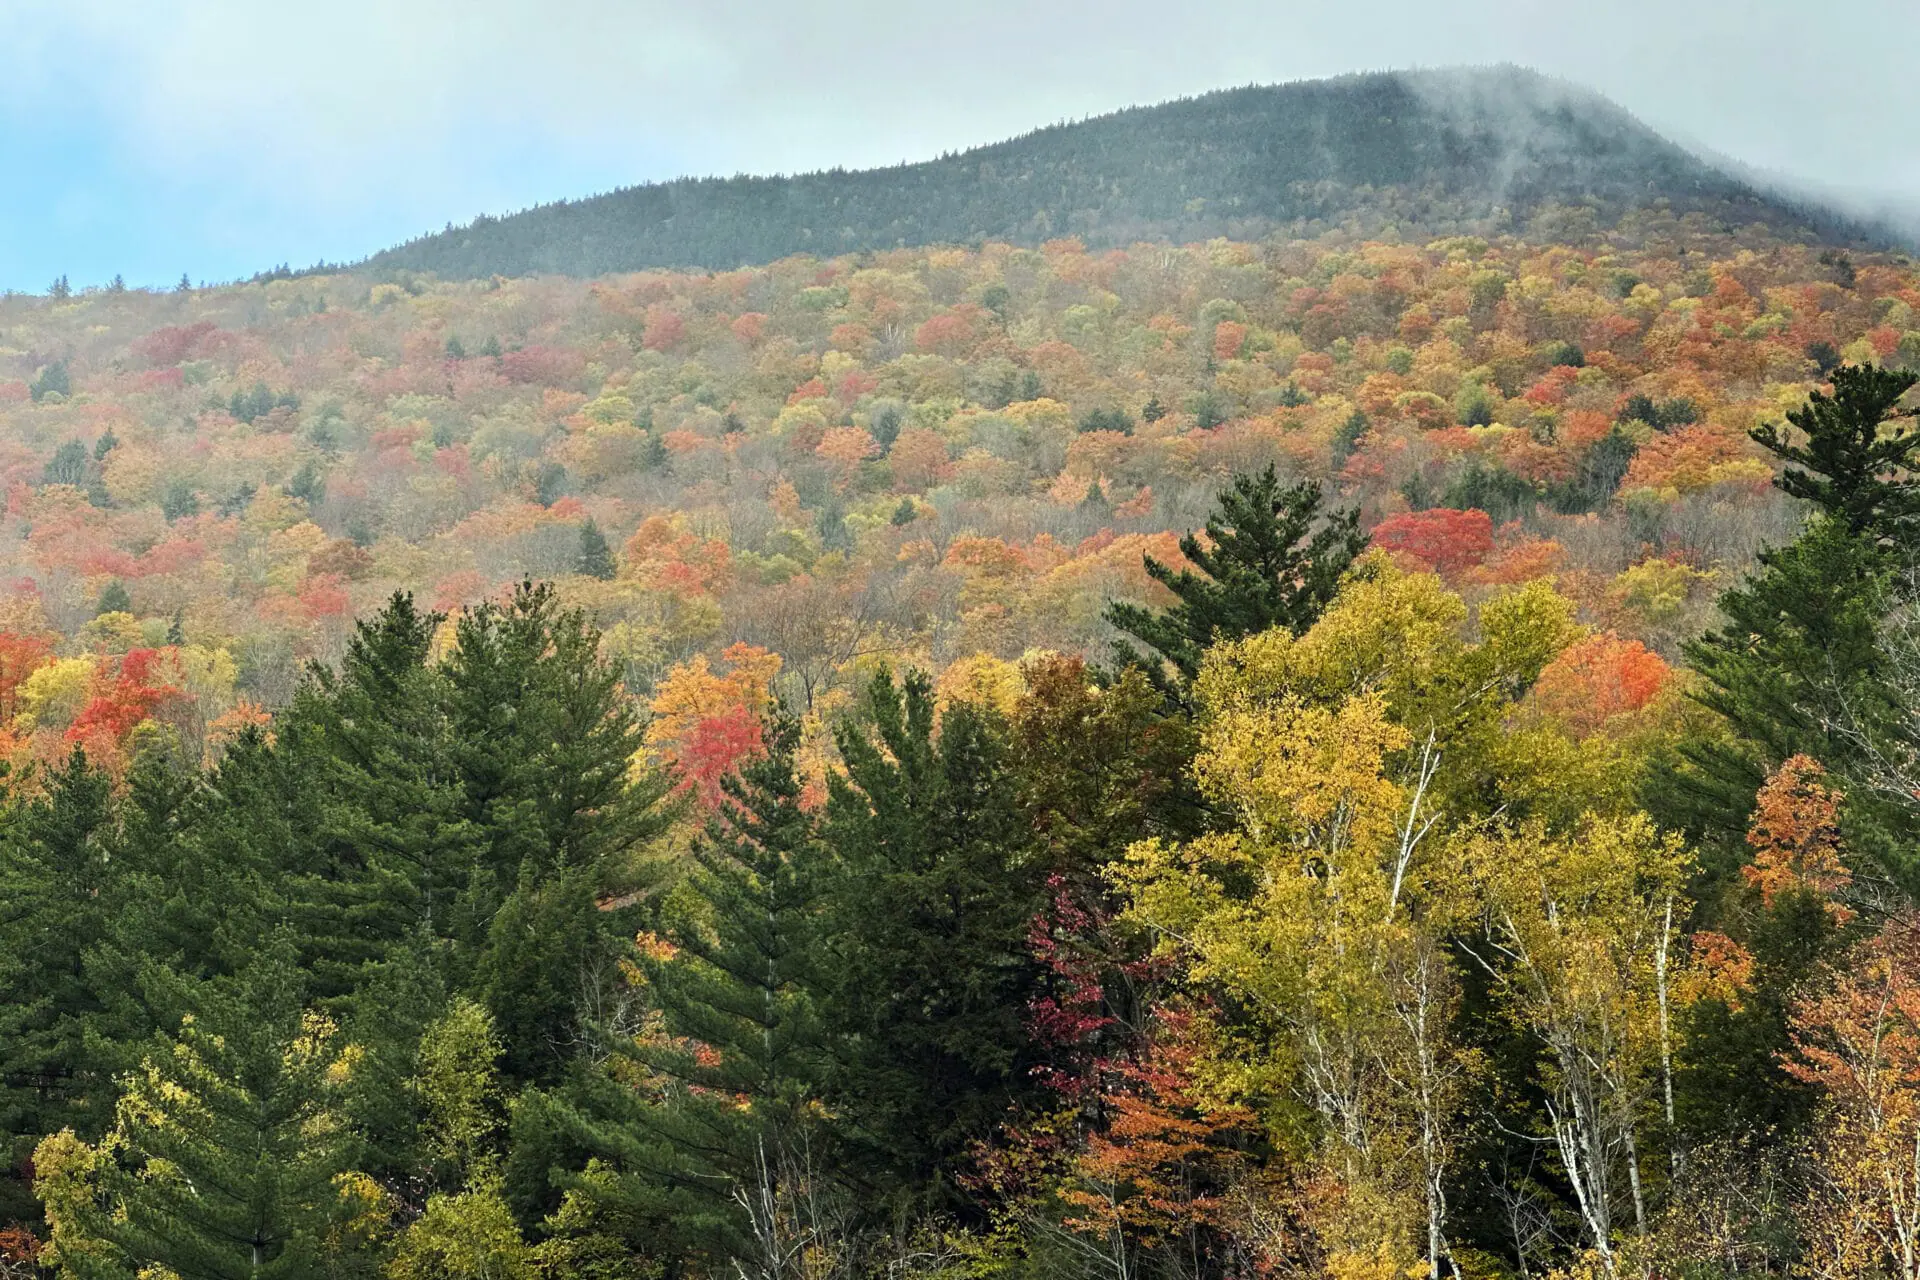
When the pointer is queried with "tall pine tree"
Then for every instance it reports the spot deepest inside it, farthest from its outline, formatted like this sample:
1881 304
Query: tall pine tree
927 964
1794 669
227 1157
1272 558
57 882
724 1154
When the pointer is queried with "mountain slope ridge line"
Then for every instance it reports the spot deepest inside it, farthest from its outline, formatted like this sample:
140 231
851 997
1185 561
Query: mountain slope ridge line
1464 149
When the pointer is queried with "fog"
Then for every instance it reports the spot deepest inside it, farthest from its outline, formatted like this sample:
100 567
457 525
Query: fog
217 137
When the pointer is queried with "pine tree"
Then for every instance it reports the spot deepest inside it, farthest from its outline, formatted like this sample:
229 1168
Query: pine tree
1793 669
1272 560
383 847
113 599
543 746
57 881
228 1157
549 954
738 1059
544 740
1859 454
595 558
926 923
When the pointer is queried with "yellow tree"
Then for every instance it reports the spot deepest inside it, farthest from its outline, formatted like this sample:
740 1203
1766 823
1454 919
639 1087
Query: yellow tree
1324 908
1578 933
1859 1040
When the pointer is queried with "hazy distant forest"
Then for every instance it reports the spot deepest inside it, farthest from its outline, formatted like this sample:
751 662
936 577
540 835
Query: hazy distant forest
1354 758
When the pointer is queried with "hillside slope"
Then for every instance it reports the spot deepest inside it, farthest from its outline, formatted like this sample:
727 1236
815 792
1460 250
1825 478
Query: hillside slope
1439 150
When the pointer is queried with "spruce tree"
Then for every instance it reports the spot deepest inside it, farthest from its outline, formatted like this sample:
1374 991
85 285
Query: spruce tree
595 558
1272 559
928 973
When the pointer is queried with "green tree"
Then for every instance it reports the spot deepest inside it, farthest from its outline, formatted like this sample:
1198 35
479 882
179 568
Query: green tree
725 1125
228 1157
57 880
384 846
68 465
928 971
113 599
1857 459
1272 558
1795 667
594 558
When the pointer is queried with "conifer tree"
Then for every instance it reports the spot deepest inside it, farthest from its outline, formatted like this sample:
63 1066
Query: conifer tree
738 1059
595 558
1793 670
227 1157
927 919
543 747
1857 461
383 848
56 883
1272 559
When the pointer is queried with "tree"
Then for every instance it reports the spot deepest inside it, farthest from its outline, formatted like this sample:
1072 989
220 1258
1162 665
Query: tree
1858 458
542 754
721 1145
57 884
1859 1040
113 599
595 557
1577 934
386 846
1270 560
927 915
68 465
227 1157
1796 669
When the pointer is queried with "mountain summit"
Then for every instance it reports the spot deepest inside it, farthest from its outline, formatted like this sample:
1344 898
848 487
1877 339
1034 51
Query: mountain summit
1475 148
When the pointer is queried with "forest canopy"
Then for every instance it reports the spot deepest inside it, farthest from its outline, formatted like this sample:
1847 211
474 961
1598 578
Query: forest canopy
1351 757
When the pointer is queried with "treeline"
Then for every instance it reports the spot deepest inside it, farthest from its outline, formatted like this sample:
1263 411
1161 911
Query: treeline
1302 937
1442 151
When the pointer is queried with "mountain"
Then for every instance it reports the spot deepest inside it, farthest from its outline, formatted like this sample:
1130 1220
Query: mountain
1432 150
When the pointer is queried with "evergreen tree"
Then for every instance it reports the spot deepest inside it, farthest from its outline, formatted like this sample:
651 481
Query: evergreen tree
548 961
56 884
67 466
113 599
738 1058
1272 559
227 1156
654 455
928 971
1858 458
1795 666
383 846
543 748
595 558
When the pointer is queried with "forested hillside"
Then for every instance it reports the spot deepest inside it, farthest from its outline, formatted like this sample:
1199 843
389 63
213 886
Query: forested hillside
1339 757
1433 152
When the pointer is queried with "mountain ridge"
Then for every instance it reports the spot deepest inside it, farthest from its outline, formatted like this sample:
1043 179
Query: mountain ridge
1436 150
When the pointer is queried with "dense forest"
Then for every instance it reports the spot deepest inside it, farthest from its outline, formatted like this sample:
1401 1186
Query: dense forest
1440 151
1341 757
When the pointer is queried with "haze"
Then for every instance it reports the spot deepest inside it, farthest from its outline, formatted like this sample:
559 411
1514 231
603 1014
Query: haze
217 138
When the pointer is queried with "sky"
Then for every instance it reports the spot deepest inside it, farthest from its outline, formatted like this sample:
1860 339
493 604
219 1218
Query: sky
216 138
